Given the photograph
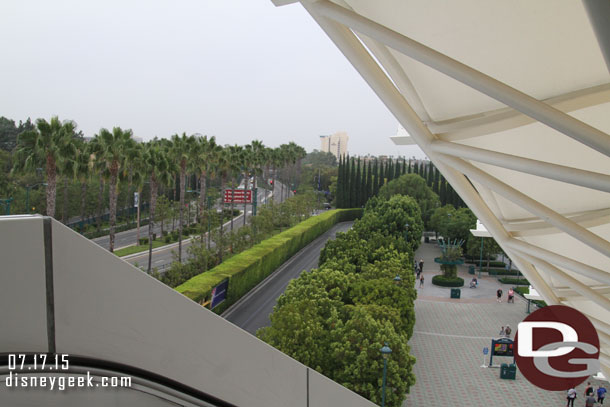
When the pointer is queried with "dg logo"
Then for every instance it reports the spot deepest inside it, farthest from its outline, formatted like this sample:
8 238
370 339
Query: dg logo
557 348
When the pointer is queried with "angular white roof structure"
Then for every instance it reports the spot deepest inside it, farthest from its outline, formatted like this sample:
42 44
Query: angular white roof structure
511 101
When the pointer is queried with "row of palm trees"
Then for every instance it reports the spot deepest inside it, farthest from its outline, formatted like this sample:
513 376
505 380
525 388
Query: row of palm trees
114 156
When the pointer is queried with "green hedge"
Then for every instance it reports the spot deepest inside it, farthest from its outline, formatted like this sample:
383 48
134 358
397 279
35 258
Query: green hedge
501 272
526 290
248 268
516 281
447 282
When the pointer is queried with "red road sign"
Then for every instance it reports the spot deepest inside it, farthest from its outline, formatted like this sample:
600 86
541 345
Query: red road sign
238 196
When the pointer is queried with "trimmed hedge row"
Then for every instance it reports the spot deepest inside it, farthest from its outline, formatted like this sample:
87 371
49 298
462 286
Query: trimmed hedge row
248 268
501 272
517 281
447 282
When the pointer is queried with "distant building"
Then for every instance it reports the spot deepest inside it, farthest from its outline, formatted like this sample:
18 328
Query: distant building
335 143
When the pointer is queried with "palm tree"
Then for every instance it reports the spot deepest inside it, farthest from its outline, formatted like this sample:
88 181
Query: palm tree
112 149
82 170
258 160
207 154
276 160
45 146
248 164
156 162
222 168
181 151
236 159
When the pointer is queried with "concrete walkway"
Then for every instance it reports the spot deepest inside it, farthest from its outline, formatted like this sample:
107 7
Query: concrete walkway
448 340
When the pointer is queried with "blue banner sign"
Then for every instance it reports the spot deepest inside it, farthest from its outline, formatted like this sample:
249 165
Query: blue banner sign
219 293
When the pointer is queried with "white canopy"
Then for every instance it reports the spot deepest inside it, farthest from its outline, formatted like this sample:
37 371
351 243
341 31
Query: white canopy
511 101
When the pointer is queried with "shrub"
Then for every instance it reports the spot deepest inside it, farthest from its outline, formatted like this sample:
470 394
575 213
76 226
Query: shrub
501 272
167 239
143 241
443 281
245 270
517 281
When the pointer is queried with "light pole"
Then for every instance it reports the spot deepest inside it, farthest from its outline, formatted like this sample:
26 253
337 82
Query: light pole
7 203
397 279
385 353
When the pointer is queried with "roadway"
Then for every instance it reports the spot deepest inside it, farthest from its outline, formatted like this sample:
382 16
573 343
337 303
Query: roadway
163 257
252 311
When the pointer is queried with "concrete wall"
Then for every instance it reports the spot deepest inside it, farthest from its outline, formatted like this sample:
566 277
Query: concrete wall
106 309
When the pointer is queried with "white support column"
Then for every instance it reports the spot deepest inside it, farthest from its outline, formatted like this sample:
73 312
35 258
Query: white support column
588 179
353 50
572 228
526 104
559 260
579 287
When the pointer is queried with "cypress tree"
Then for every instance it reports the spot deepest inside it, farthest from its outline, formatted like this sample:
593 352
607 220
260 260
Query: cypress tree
381 174
369 182
346 177
437 180
404 166
429 174
397 170
357 182
352 184
339 196
363 196
376 180
409 167
416 168
390 170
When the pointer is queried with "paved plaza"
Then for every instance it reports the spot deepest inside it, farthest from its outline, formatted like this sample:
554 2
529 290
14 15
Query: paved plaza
448 343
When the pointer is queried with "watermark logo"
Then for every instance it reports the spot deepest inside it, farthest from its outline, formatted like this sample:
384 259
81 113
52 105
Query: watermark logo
557 348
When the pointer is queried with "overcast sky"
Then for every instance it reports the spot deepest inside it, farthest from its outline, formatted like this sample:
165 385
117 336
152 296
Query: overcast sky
236 69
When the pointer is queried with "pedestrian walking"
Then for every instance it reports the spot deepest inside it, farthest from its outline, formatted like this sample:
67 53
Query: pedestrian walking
588 389
502 332
511 296
421 280
590 400
421 265
507 331
499 294
601 394
571 397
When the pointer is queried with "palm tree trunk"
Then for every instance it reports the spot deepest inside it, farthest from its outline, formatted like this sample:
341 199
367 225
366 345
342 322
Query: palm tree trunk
100 198
232 202
273 186
51 185
246 179
138 218
64 210
151 218
113 202
83 201
219 244
128 201
180 225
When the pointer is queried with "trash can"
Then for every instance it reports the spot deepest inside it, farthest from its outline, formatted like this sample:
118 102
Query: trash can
455 293
508 371
470 269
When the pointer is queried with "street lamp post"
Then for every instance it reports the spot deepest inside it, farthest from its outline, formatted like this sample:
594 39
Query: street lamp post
7 204
385 353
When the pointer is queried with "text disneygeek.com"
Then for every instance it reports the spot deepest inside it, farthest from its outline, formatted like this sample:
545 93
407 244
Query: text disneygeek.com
50 371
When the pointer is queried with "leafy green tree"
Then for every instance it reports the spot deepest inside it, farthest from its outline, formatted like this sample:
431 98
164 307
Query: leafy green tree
319 158
453 224
358 364
414 186
490 248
